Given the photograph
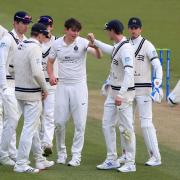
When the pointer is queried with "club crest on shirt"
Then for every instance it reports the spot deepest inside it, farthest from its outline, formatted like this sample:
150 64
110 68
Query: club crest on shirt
75 48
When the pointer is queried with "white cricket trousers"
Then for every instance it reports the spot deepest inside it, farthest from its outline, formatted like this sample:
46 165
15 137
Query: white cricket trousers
144 106
29 138
10 119
47 120
71 99
123 117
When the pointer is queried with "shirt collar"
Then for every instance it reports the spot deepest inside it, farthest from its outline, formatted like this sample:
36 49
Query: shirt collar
123 39
35 40
17 37
136 40
64 44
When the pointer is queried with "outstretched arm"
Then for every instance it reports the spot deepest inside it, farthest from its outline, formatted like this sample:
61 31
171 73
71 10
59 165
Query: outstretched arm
106 48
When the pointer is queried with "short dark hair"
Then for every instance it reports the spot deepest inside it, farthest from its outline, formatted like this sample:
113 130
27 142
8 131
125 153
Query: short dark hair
73 23
39 28
115 25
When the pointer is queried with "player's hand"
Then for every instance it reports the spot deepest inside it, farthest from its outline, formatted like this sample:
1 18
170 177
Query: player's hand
91 38
53 80
118 101
157 83
44 95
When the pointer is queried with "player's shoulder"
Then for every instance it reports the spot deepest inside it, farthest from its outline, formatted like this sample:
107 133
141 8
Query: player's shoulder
148 42
3 31
57 41
53 38
126 45
7 39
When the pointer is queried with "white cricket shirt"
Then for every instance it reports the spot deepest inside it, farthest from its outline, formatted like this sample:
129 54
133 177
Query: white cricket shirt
71 59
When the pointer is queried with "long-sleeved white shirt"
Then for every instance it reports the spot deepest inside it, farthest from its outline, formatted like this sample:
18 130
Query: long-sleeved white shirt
29 77
8 45
122 67
144 58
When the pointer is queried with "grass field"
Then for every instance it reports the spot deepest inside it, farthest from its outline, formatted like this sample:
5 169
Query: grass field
94 153
161 24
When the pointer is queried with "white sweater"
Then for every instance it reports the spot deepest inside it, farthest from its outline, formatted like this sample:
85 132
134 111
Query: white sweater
29 77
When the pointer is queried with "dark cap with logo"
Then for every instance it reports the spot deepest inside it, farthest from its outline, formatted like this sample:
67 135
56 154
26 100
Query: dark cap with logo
115 25
22 16
134 22
46 20
40 28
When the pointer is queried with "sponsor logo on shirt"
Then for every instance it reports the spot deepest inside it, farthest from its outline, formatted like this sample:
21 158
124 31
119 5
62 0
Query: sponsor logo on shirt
2 45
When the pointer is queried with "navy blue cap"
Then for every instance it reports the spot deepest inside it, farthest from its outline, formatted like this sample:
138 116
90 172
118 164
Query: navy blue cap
46 20
22 16
115 25
134 22
40 29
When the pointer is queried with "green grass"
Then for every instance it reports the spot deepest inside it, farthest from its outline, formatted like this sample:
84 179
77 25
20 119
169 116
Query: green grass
94 152
161 24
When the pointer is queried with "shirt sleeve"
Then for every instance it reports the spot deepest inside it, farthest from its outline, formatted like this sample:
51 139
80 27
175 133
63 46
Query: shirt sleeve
36 66
5 45
53 52
106 48
153 56
151 52
86 43
127 57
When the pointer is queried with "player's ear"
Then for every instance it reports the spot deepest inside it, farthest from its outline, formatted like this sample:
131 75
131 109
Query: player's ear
65 30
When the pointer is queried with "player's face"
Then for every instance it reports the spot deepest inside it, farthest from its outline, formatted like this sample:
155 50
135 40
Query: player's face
49 28
134 32
71 34
21 27
41 38
110 34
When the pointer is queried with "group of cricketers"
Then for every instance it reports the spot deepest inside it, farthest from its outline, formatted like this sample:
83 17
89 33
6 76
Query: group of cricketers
44 79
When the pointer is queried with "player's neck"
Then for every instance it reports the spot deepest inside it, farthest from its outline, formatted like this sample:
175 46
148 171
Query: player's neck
118 38
20 35
68 40
135 37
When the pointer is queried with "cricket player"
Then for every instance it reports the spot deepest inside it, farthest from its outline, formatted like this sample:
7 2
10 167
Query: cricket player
47 117
3 31
174 96
11 113
71 93
119 101
30 89
145 57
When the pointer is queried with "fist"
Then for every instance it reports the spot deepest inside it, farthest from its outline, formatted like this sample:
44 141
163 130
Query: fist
91 37
44 95
53 80
118 101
